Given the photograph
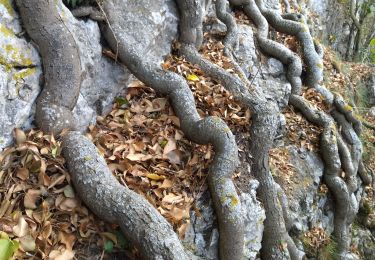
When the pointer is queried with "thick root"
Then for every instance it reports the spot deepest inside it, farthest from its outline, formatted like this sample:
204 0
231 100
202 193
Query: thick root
93 180
231 38
263 130
61 64
141 223
203 131
272 48
336 153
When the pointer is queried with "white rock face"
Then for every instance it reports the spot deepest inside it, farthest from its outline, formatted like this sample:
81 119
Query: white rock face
20 72
149 26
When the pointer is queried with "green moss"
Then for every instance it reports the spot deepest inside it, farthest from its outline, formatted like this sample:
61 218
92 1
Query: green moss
366 208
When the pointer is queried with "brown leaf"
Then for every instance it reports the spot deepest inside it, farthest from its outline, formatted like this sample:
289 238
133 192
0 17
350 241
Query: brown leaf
31 198
22 173
27 243
170 146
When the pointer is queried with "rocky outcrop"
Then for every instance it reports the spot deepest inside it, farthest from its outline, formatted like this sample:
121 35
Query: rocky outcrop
331 23
308 206
102 78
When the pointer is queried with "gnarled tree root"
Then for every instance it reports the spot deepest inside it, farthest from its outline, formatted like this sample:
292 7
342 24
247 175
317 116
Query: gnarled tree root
208 130
339 153
140 222
263 130
334 154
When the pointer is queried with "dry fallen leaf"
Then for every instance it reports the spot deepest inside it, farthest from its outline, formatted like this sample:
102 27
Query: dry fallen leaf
27 243
22 228
31 198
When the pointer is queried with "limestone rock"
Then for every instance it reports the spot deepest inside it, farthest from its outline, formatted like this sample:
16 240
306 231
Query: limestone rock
332 23
307 207
20 72
364 241
149 25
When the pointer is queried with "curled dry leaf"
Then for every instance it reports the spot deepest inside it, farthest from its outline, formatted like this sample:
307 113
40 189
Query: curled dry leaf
27 243
19 135
30 199
22 228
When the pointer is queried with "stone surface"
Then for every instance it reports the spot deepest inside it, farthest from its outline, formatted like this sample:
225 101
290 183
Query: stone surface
20 72
331 23
245 54
275 67
364 241
149 25
307 207
202 236
270 77
102 78
371 111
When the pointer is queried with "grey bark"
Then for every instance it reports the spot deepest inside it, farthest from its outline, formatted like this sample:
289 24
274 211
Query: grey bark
208 130
60 59
94 182
263 130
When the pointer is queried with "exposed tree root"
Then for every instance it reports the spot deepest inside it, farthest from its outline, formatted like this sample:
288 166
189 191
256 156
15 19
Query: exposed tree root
57 47
336 151
208 130
276 242
231 38
332 146
140 222
94 182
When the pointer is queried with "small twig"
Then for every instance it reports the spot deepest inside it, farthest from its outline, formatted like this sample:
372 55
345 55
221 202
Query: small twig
110 27
256 74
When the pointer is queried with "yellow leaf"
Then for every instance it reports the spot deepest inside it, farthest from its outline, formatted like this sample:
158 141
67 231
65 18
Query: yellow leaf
192 77
154 176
